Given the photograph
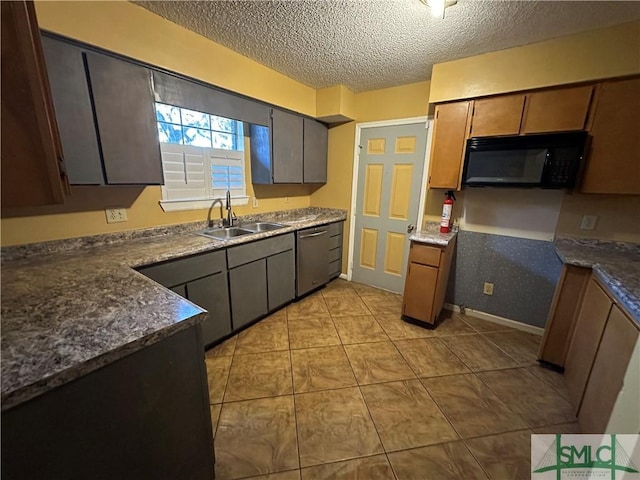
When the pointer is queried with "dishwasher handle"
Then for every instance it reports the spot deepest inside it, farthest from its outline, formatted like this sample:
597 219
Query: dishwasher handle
314 234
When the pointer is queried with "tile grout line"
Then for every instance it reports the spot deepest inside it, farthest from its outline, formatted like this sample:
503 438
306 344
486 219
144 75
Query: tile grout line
293 395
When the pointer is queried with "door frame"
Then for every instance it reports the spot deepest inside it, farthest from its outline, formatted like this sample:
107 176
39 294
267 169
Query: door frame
356 163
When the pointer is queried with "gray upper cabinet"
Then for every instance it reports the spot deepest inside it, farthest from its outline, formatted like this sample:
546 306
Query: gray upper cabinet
74 113
315 151
287 147
125 114
106 116
293 150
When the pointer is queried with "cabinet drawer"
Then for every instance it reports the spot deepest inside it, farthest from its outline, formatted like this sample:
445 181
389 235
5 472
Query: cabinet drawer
424 254
335 228
184 270
335 268
335 242
260 249
335 254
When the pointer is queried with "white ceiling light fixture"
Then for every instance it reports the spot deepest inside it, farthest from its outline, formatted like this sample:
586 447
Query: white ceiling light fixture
438 6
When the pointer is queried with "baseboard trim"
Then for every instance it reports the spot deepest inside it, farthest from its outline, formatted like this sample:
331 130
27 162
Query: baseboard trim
496 319
343 276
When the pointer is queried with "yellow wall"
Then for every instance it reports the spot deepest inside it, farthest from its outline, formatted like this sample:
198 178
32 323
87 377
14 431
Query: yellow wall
385 104
130 30
592 55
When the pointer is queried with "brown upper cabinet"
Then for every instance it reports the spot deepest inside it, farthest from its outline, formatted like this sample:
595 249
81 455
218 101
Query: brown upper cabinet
560 110
497 116
613 165
450 133
32 162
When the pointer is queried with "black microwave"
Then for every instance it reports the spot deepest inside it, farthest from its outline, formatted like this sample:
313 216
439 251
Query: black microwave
544 161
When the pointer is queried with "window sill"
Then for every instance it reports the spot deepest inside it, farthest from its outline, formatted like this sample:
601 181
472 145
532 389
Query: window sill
182 205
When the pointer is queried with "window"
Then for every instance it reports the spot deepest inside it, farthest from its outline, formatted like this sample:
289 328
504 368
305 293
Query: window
202 158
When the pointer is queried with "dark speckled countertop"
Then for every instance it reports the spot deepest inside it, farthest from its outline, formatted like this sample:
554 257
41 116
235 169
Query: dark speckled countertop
72 306
615 264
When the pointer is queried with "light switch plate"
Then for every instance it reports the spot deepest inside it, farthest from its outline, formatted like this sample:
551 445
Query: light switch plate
588 222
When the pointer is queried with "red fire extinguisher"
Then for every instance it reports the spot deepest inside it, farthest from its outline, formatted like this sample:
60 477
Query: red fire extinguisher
447 206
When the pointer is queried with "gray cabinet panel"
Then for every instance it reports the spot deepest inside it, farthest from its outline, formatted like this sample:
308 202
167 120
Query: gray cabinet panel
259 249
286 147
74 112
212 294
125 113
281 279
248 289
315 151
334 254
189 94
184 270
260 155
335 242
335 228
335 268
144 416
180 290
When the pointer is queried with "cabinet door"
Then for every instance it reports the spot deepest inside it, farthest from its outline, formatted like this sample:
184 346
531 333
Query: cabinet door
586 337
448 144
609 368
419 292
497 116
212 294
248 288
32 163
613 164
315 152
281 279
74 113
557 110
286 147
125 113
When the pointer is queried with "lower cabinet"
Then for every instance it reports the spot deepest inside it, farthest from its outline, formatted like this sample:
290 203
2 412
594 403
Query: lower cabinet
601 381
335 249
261 277
201 279
426 282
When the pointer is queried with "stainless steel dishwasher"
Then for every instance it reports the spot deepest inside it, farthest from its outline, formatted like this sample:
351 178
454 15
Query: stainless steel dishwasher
312 259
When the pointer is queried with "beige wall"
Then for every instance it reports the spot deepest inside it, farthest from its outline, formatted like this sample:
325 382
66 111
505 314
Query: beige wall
385 104
130 30
592 55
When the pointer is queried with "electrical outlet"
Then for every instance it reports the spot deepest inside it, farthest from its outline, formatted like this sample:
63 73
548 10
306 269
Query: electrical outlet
588 222
488 288
255 202
115 215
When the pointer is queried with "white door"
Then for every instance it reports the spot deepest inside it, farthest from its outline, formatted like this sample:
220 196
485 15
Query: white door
390 175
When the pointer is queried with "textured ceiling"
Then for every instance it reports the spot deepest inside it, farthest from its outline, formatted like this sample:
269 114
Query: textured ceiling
371 44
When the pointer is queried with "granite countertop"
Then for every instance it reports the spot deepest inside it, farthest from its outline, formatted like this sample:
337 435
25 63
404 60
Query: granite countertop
430 234
615 264
72 306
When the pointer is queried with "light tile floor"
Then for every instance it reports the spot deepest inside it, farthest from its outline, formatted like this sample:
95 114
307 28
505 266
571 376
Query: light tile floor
337 386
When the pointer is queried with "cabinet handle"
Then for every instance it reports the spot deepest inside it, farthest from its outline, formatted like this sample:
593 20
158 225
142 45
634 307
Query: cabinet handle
314 234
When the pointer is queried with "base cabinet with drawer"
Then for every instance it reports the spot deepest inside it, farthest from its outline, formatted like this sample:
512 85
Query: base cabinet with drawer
426 282
335 249
261 278
201 279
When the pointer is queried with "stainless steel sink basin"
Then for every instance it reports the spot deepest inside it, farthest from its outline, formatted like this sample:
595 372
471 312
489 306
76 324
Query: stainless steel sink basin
225 233
262 226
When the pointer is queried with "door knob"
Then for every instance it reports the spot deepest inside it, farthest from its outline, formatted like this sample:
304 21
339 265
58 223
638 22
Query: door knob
411 228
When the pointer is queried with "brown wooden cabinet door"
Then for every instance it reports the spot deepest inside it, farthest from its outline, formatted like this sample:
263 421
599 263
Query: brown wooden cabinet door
609 368
559 110
419 292
31 150
586 337
613 164
497 116
448 144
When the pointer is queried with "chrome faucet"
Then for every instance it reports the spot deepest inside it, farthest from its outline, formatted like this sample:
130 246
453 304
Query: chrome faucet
209 219
231 217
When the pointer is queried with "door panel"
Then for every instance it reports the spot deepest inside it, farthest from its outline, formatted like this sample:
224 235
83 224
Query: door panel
212 294
390 170
281 279
287 147
248 292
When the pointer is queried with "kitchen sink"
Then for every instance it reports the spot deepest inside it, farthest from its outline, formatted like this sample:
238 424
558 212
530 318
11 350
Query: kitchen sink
233 232
262 226
225 233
